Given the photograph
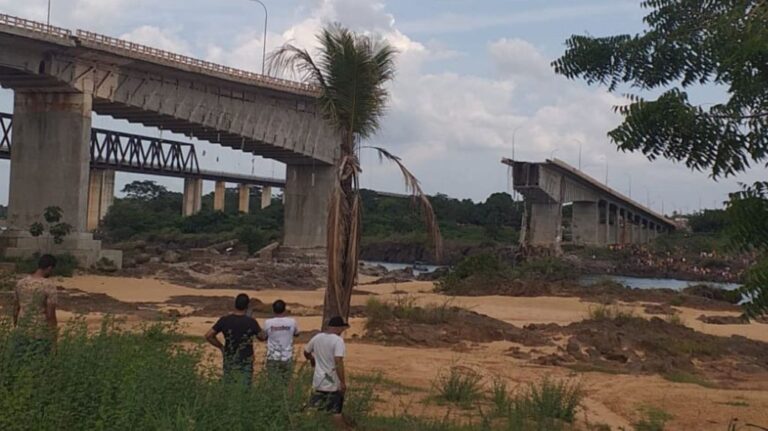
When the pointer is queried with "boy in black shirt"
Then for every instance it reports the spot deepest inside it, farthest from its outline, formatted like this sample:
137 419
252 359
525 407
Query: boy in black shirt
239 331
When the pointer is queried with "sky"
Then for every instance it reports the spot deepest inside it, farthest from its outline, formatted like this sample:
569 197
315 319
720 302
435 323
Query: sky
474 85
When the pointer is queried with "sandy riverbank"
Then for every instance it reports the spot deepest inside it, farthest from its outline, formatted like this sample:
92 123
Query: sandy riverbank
613 399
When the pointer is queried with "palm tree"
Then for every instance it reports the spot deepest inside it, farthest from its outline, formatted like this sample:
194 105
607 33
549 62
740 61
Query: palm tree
351 71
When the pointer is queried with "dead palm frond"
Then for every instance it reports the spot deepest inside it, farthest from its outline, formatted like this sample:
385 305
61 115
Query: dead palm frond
351 71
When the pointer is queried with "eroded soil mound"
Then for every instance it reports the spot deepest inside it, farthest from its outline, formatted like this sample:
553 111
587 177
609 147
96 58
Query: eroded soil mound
657 346
458 325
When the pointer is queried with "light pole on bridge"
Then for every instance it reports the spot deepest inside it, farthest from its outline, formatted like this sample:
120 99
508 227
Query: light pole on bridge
264 48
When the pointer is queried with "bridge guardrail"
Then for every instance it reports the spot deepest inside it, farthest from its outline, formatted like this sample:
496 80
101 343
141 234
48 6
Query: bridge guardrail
39 27
195 62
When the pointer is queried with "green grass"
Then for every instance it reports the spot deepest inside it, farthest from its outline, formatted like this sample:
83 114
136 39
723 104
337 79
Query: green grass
66 264
693 379
459 385
610 312
143 380
652 419
552 399
404 307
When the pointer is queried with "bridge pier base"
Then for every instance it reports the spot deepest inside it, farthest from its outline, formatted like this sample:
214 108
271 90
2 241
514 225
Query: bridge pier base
219 193
307 193
193 196
266 196
101 195
542 225
50 167
244 198
586 219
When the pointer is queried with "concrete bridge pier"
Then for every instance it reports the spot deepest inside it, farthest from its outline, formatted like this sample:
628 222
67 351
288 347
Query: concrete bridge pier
101 195
266 196
50 166
586 222
219 193
307 193
193 196
543 224
244 198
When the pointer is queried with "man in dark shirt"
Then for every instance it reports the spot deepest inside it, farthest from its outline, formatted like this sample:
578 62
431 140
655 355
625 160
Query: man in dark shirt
239 331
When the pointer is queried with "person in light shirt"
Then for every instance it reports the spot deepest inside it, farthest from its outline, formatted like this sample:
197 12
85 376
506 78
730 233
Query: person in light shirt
326 351
280 331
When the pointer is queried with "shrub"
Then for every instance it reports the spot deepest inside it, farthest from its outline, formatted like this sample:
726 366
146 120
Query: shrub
66 264
546 269
459 385
253 238
474 271
404 307
551 400
610 312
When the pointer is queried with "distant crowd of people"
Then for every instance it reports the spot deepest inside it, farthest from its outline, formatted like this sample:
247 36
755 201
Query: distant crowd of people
34 311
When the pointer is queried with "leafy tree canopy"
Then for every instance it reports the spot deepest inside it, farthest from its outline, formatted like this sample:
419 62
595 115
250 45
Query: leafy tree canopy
691 43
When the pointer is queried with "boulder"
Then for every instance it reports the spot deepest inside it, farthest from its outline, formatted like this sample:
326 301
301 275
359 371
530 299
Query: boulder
171 256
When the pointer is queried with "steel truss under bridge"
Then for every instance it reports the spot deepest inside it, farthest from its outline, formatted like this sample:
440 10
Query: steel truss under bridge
126 152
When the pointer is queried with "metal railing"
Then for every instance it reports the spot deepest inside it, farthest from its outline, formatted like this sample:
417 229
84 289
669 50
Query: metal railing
39 27
194 62
148 51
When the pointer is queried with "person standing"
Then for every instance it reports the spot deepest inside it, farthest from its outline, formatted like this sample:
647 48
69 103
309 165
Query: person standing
280 331
239 331
325 351
34 312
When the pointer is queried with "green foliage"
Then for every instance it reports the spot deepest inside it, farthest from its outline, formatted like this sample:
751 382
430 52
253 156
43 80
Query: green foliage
652 419
404 307
708 221
58 230
547 269
610 312
482 269
551 399
459 385
392 218
125 380
253 238
144 190
66 264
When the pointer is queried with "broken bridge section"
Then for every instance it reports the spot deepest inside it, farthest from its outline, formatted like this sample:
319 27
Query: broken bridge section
601 216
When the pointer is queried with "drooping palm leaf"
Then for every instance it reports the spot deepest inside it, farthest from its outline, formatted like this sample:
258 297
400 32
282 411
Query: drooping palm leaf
413 186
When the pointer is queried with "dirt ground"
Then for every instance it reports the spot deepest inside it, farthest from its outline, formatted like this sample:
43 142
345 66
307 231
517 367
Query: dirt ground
613 399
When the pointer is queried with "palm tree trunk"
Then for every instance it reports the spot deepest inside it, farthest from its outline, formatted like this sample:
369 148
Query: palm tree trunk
343 236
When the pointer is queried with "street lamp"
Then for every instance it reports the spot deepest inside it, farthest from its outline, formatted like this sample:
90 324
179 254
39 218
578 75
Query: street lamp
580 144
264 49
49 13
514 132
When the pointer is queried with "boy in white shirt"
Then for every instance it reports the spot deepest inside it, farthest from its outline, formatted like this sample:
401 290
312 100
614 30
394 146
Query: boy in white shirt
325 351
280 331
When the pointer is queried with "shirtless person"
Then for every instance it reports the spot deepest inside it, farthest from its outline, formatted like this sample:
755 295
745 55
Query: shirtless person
34 312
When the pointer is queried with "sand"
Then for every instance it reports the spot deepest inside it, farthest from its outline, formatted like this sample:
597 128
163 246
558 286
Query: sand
614 400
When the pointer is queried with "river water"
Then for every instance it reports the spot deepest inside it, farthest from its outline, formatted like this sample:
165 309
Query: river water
653 283
588 280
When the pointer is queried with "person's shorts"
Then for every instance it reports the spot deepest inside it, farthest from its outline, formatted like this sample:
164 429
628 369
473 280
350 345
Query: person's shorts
332 402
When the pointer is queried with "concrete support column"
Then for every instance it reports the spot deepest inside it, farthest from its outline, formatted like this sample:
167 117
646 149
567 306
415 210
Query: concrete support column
50 158
266 196
586 221
602 231
219 194
244 198
101 195
543 225
193 196
613 225
306 195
